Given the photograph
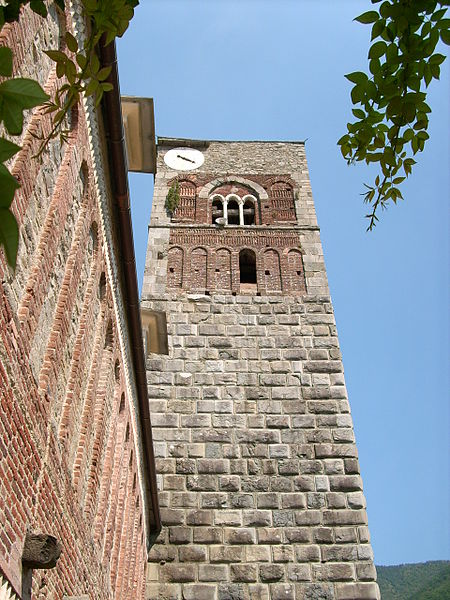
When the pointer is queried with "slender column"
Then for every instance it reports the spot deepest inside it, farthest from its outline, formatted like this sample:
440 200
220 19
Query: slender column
241 213
225 210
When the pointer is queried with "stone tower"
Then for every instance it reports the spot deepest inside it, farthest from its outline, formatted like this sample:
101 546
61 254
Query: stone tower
260 492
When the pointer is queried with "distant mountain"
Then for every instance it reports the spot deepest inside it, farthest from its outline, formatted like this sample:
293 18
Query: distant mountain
420 581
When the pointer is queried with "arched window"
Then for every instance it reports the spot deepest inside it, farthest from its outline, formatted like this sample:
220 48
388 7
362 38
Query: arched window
216 209
283 201
175 267
247 267
199 267
272 274
233 211
185 210
249 212
295 265
223 269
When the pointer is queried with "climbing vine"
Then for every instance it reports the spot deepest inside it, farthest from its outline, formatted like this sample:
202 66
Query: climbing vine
79 73
173 197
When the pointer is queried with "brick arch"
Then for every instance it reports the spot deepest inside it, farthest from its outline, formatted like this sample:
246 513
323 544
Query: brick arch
272 271
222 274
198 268
280 179
295 270
282 200
175 267
186 208
207 189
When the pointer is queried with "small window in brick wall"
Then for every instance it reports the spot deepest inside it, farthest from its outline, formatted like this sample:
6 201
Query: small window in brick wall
247 267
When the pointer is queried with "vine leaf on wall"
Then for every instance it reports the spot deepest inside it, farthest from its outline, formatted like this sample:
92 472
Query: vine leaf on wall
80 72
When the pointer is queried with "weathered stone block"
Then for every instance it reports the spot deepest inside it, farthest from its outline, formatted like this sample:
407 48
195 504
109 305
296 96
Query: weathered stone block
180 535
357 591
333 572
174 573
192 554
271 572
212 572
226 554
198 591
246 573
243 535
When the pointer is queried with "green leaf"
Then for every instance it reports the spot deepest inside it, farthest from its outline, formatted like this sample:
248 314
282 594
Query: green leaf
95 64
8 186
91 87
5 61
9 235
435 71
103 73
438 14
60 69
7 149
357 94
98 97
368 17
357 77
408 135
71 71
107 87
16 95
38 7
436 59
81 60
358 113
71 42
378 28
445 36
377 49
56 55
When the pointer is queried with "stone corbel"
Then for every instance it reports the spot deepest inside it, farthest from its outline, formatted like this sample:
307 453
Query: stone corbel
40 551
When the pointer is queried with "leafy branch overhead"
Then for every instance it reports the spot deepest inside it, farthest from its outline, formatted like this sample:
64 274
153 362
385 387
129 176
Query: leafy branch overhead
391 114
80 73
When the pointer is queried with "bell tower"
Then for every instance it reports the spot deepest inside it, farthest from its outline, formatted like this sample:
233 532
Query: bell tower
259 480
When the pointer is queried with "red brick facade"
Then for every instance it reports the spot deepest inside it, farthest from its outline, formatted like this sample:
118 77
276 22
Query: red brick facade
279 208
249 252
69 451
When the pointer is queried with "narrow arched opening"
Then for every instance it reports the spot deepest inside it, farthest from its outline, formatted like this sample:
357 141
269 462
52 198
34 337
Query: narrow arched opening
216 210
233 212
247 269
249 213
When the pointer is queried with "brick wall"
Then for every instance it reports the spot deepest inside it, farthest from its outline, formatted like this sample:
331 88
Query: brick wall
69 437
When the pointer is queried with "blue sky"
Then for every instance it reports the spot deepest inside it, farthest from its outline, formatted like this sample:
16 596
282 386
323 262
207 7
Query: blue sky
274 69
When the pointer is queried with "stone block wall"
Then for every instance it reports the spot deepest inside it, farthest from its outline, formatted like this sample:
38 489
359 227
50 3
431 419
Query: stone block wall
70 455
259 480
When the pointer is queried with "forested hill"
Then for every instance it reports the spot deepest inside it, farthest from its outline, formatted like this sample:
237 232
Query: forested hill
420 581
